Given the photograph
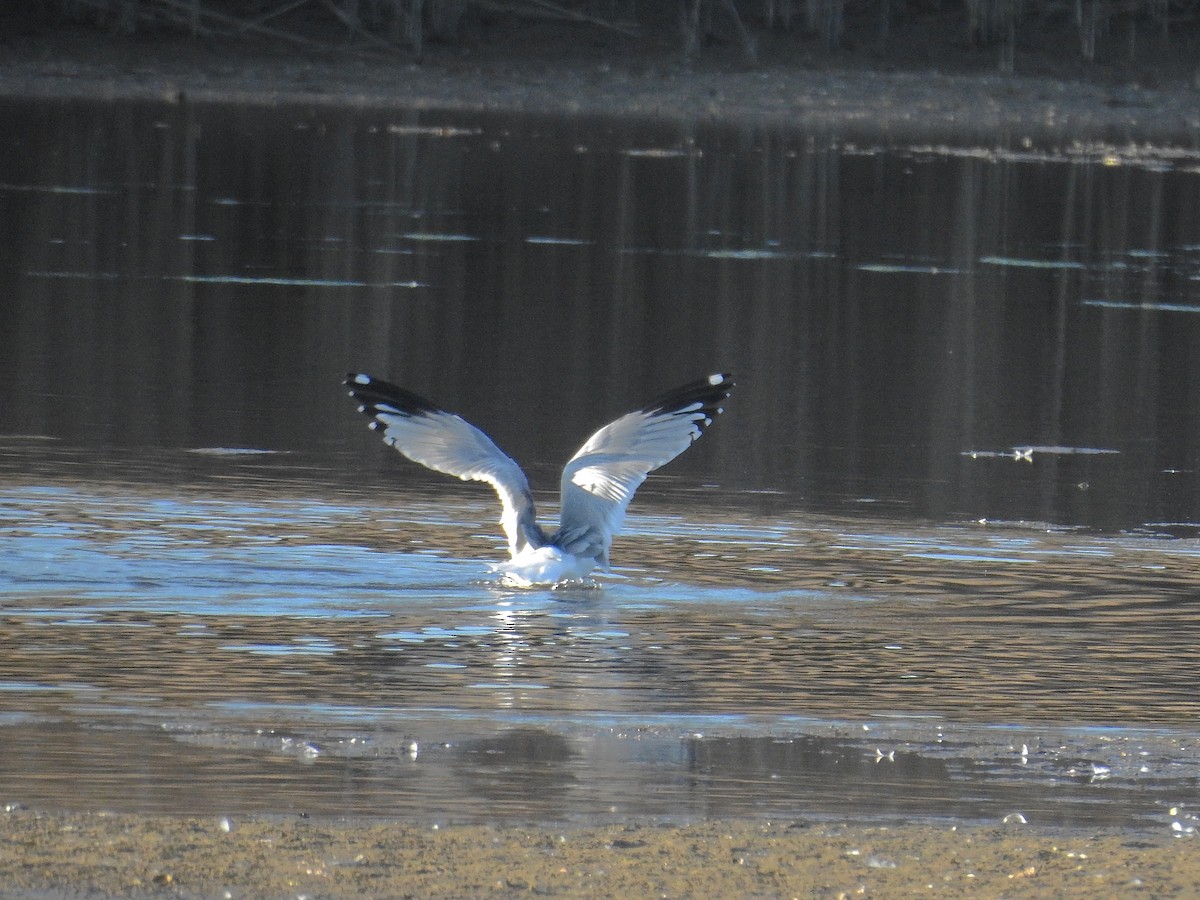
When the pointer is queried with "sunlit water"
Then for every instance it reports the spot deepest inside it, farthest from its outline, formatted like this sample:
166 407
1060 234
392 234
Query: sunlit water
938 560
263 648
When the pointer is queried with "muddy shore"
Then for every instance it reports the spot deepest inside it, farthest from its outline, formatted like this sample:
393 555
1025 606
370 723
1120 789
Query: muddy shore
109 855
958 97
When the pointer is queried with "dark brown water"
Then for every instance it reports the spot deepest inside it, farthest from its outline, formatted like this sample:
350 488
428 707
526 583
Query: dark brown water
938 559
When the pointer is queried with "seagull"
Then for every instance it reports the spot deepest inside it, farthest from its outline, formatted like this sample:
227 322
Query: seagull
597 483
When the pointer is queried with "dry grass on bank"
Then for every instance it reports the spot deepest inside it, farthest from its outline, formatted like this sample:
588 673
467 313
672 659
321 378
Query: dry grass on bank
1002 34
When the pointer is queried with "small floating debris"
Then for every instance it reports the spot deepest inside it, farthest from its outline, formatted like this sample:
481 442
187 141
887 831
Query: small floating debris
436 236
657 152
558 241
1170 529
57 189
746 254
1014 818
96 276
1148 307
896 268
303 749
1092 771
442 131
1025 453
279 281
232 451
1016 262
1083 451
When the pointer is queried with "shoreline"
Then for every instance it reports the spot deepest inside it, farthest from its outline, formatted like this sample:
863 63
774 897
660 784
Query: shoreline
127 855
847 96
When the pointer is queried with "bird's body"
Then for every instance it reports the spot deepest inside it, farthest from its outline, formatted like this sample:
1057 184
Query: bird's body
547 564
597 483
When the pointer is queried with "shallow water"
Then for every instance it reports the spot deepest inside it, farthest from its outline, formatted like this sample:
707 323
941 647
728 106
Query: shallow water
256 648
938 560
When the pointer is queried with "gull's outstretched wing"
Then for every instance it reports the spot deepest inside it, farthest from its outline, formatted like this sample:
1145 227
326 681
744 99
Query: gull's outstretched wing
599 481
448 443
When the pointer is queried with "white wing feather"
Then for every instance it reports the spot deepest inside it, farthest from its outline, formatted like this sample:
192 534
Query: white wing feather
597 483
446 442
601 478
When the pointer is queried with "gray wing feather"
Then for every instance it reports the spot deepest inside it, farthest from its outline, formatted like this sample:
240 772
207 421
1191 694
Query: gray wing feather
601 478
445 442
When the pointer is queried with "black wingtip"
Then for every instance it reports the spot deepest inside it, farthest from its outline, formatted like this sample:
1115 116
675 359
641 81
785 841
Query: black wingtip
374 394
707 392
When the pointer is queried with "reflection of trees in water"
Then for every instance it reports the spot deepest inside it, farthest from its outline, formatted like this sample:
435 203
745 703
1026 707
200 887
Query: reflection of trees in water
191 276
1096 29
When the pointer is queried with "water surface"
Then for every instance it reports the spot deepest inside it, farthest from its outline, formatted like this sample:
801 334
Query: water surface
941 549
232 649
